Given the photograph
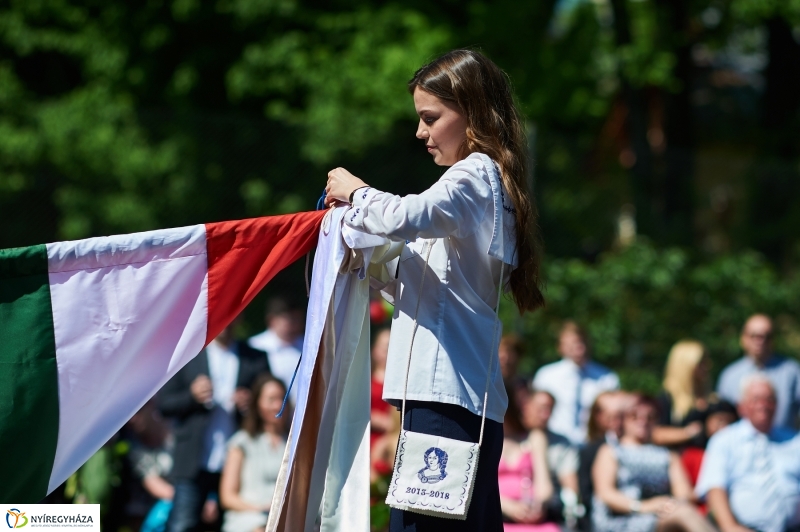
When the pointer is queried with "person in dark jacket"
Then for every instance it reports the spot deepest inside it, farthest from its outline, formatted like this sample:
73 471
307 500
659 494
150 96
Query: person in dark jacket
206 399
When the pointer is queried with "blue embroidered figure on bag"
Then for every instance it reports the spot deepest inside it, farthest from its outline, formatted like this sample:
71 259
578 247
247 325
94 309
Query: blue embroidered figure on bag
435 465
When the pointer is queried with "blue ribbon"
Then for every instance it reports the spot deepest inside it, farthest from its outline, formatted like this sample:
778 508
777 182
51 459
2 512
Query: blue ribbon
320 206
289 389
321 201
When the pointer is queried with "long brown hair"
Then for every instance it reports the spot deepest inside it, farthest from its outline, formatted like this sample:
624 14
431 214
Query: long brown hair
494 127
252 422
594 430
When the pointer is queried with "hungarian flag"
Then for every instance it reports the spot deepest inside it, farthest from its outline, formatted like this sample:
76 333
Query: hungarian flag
91 329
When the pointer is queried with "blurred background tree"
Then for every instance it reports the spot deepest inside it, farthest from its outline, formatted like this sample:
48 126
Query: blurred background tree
665 136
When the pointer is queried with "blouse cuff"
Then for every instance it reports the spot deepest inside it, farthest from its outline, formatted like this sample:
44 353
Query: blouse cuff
354 217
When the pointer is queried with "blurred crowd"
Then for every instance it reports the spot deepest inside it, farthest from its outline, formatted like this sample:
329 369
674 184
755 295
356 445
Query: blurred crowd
579 453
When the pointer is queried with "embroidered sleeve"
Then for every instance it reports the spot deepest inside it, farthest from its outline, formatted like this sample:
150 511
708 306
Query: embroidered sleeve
454 206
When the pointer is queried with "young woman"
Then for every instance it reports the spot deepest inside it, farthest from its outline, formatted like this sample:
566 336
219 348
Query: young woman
604 428
685 398
254 460
639 486
524 478
474 222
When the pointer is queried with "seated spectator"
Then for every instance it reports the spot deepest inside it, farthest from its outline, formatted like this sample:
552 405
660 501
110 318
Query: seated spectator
640 486
562 457
523 476
380 411
575 381
282 341
604 426
684 400
751 472
509 353
150 459
254 460
206 399
719 415
783 372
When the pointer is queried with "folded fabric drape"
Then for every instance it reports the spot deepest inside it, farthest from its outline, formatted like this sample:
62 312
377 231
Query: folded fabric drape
324 479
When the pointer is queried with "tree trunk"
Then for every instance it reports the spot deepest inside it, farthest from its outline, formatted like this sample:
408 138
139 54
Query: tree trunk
782 92
641 173
678 203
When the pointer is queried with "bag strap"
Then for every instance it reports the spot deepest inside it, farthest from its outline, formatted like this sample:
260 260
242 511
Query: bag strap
491 349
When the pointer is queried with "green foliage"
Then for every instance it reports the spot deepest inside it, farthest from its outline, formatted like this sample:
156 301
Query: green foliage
648 59
379 511
87 132
350 71
109 111
120 116
753 11
637 302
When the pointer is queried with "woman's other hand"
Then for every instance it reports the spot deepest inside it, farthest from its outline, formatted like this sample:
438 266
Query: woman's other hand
519 512
693 429
661 505
341 184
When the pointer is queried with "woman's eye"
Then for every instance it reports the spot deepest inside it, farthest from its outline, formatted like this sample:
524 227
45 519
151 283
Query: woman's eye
429 120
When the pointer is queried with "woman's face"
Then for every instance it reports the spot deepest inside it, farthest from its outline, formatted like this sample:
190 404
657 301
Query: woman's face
441 126
612 409
639 422
573 347
537 411
433 460
270 401
509 360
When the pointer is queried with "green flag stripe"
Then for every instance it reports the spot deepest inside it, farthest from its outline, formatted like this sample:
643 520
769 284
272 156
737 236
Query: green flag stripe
28 376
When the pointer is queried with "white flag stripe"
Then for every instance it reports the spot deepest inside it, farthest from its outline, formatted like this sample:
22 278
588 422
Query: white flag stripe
121 330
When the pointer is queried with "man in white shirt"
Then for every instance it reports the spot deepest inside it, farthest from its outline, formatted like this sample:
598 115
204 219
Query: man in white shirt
282 341
575 381
206 400
756 342
751 470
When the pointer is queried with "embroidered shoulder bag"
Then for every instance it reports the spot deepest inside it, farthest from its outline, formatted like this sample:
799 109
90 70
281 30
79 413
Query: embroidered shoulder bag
434 475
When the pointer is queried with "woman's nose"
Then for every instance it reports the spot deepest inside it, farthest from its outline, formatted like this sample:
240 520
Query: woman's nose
422 131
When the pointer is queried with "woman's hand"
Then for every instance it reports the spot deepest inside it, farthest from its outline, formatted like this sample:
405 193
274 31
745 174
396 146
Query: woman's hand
661 505
341 184
520 512
693 429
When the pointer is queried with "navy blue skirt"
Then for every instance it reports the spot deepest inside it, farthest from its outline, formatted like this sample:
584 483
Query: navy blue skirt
458 423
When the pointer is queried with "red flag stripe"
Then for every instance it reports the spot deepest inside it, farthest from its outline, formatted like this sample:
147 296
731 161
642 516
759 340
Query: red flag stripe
244 255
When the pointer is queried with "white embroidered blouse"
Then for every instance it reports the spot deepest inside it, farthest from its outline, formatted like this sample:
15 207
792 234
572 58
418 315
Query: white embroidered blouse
469 222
